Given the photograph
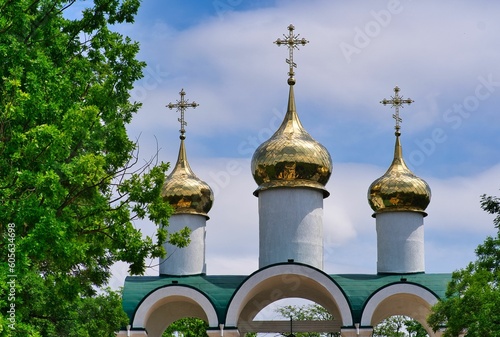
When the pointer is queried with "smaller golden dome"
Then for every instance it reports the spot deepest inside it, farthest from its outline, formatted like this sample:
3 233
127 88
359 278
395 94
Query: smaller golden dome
184 190
399 189
291 157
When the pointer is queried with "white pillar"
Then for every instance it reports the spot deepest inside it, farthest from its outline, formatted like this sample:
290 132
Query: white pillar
400 242
189 260
291 226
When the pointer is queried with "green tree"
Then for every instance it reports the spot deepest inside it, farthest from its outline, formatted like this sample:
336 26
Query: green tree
306 312
415 329
187 327
93 316
190 327
399 326
70 189
390 327
473 294
395 326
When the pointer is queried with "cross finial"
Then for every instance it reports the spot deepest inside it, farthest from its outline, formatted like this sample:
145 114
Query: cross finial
397 102
181 106
291 41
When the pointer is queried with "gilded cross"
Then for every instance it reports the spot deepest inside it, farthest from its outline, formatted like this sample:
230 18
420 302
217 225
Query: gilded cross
181 106
291 41
397 102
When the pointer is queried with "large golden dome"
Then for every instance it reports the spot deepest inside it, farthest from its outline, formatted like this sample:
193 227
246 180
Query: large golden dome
291 157
185 191
399 189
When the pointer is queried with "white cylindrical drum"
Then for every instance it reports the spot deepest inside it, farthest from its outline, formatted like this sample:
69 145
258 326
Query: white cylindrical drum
291 226
189 260
400 242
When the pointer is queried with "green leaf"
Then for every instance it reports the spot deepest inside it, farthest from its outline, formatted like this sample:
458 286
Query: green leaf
69 182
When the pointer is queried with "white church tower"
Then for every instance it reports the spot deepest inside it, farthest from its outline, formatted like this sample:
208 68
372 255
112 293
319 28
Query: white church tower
291 169
191 199
399 199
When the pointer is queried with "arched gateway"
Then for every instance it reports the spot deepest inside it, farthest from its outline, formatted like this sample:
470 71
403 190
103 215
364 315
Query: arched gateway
356 301
291 170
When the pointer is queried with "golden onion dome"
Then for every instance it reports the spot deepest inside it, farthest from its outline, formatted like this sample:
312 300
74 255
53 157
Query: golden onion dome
291 157
184 190
399 189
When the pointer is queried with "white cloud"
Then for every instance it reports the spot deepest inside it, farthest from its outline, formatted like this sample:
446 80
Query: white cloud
436 52
350 240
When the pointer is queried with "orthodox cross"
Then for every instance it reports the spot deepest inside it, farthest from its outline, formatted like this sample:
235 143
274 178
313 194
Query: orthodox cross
291 41
181 106
396 102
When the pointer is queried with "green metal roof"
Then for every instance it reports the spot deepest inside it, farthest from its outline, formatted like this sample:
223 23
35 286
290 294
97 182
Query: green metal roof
360 287
219 289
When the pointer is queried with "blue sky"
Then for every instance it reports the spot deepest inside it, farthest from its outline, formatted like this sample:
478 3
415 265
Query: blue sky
442 55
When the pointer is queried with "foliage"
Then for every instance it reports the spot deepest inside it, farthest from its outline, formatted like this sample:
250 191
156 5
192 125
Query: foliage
390 327
306 312
415 329
395 326
69 187
472 296
187 327
89 316
399 326
190 327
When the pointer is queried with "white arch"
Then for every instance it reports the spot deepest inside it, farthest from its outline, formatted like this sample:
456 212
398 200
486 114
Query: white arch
257 281
160 296
396 289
